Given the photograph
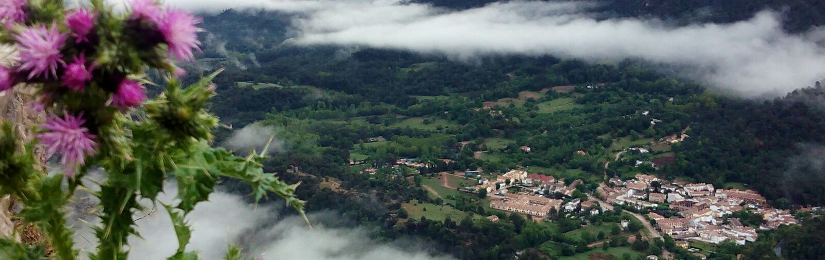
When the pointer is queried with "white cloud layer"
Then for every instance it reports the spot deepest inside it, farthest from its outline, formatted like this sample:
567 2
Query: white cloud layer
749 58
226 219
256 137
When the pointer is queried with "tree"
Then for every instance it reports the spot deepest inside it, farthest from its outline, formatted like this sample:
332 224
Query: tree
615 230
518 221
482 193
466 223
581 247
639 245
402 213
601 235
635 226
586 237
782 203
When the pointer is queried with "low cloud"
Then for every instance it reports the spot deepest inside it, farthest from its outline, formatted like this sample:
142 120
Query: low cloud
749 58
255 136
261 231
212 42
805 176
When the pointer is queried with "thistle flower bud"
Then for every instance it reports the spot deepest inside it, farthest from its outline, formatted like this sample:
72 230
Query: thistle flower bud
77 74
81 22
129 94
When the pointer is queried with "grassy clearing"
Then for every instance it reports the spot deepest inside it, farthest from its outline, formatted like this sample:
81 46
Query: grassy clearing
617 252
257 86
419 123
456 181
592 229
419 66
538 169
559 173
519 101
550 248
435 184
705 247
735 185
625 142
490 157
497 143
416 210
661 147
559 104
430 97
358 156
376 144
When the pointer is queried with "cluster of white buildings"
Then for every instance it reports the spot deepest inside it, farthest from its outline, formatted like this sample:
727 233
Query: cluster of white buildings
411 163
502 181
703 209
530 202
526 204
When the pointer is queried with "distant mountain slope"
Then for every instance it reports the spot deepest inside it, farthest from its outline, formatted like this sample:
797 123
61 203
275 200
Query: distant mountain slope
800 15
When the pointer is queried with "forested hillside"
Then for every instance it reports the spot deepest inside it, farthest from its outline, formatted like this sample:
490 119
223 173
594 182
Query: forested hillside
342 111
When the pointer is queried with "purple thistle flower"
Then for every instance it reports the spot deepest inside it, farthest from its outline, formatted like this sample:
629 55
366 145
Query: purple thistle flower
81 22
179 32
146 9
129 94
6 79
77 74
12 11
40 50
68 137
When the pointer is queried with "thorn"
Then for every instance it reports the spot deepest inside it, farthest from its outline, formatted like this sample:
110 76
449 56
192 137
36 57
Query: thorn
266 148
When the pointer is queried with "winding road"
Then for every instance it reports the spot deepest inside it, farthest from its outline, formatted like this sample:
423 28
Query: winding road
652 233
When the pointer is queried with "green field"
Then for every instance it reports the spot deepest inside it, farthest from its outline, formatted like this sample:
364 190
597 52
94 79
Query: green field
357 156
418 123
459 182
617 252
661 147
490 157
419 66
538 169
497 143
592 229
375 144
430 97
705 247
518 102
257 86
626 142
415 210
559 104
559 173
735 185
435 184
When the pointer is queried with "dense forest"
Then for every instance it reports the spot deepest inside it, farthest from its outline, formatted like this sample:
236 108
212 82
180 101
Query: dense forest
334 107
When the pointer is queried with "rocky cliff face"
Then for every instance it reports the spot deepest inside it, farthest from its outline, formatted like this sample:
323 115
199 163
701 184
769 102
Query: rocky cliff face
16 107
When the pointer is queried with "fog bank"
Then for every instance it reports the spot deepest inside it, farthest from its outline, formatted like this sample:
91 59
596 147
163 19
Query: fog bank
749 58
